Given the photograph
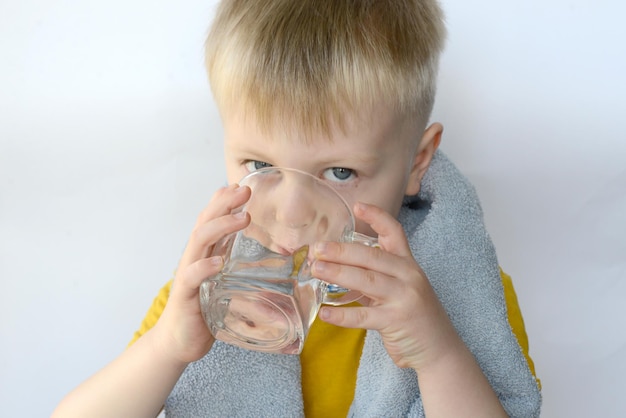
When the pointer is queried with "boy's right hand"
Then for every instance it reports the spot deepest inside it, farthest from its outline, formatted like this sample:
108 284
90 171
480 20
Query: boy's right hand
138 382
181 332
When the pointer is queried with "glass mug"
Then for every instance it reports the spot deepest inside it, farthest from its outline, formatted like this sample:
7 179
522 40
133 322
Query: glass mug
265 298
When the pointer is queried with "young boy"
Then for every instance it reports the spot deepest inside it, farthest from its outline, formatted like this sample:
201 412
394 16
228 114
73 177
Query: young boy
342 90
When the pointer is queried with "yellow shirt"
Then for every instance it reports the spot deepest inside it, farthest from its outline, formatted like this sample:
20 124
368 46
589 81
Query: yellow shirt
331 354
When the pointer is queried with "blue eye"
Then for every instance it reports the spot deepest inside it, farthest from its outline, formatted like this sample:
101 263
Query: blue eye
338 174
253 165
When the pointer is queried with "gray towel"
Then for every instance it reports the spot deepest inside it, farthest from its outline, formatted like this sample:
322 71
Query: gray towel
444 224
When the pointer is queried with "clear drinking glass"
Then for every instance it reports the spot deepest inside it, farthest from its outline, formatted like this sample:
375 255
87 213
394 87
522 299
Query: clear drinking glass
265 298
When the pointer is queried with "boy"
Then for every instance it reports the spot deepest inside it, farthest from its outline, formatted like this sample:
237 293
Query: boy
342 90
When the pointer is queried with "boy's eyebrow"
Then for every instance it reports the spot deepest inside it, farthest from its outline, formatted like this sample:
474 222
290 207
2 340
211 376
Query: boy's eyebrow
368 159
247 150
364 159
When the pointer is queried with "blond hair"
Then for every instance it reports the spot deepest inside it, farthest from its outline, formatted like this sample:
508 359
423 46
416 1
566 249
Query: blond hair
309 62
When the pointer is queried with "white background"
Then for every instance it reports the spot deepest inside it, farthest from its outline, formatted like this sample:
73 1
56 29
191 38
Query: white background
110 146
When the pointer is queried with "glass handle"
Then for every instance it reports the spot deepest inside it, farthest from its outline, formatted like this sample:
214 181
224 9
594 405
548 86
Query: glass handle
336 295
365 240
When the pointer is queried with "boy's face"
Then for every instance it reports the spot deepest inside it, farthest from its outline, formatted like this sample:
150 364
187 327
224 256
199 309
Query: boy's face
377 158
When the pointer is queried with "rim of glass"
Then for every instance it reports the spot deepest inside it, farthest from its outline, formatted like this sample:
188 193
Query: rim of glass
269 170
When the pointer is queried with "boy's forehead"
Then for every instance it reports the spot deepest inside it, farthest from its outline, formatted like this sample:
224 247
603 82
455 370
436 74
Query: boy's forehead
378 121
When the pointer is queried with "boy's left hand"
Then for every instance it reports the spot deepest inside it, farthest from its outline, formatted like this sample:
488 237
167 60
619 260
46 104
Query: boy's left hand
398 301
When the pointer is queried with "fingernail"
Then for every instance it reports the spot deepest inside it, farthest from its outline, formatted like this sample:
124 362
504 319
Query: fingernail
321 247
324 313
239 215
360 206
216 260
319 266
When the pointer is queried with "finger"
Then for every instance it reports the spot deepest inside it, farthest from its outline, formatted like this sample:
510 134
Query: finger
368 258
223 202
351 317
205 235
391 235
374 285
353 254
188 281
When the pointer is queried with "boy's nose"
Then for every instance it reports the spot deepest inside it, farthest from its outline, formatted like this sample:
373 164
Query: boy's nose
295 206
298 220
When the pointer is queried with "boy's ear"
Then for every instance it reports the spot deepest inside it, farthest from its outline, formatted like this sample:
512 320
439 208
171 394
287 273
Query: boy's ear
423 156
